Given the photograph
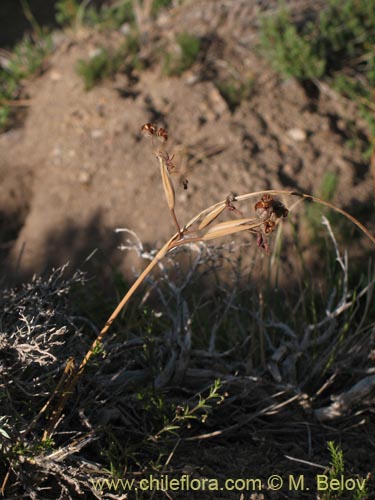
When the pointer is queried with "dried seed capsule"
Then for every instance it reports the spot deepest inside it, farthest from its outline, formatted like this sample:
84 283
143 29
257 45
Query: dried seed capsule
149 129
263 210
279 209
269 226
162 135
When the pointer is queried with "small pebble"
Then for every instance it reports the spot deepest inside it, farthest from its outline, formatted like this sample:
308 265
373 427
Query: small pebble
55 76
84 178
97 133
297 134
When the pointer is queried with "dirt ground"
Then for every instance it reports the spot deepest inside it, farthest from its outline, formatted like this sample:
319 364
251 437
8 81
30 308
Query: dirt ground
76 167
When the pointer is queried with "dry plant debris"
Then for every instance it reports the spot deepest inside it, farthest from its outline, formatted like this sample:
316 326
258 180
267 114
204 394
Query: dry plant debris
38 358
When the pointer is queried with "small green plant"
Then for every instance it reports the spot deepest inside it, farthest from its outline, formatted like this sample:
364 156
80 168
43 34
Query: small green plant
157 5
110 16
99 351
105 16
337 459
337 46
105 64
234 91
290 52
337 471
189 47
96 68
362 95
28 56
200 411
26 59
66 11
340 36
5 112
25 449
162 422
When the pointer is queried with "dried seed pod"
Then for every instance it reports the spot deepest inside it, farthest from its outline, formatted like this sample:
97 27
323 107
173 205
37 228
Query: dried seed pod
167 182
267 206
269 226
149 129
279 209
267 200
211 216
162 135
263 209
229 227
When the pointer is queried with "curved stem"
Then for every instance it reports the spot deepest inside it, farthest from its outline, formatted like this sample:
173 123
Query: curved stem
73 379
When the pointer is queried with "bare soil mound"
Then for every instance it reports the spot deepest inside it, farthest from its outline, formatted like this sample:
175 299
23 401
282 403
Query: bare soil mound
77 167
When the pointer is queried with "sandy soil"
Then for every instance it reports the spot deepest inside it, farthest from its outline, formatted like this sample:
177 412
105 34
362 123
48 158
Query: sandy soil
77 166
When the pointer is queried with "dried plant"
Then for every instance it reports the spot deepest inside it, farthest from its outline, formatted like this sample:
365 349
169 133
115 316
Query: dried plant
131 394
38 332
269 212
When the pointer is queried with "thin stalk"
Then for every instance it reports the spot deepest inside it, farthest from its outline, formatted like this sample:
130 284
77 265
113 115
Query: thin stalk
73 379
176 222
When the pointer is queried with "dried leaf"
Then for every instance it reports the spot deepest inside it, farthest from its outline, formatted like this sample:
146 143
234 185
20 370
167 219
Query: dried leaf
234 223
167 183
230 227
212 216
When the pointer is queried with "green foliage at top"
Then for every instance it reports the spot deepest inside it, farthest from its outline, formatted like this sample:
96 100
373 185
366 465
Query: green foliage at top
343 35
346 35
107 16
158 5
290 52
339 46
26 59
66 11
110 16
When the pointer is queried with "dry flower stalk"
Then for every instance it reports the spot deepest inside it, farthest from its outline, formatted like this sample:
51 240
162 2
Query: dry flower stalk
268 210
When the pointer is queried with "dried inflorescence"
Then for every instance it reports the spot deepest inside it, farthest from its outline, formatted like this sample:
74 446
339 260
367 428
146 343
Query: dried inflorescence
152 130
268 207
269 210
149 129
